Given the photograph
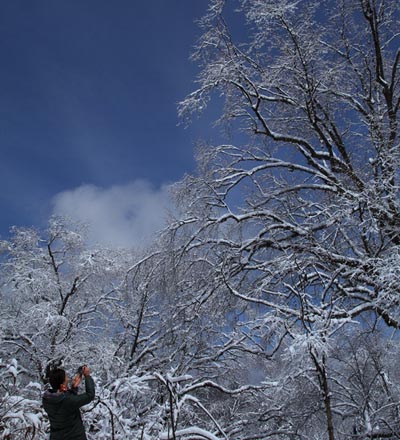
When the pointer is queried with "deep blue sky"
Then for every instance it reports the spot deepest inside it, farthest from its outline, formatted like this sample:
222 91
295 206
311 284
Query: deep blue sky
89 90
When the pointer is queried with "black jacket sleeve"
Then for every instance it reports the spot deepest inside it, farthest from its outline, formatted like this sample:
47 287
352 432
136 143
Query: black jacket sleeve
78 400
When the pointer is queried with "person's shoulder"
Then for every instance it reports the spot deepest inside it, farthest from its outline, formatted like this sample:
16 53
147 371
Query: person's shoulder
50 396
73 391
70 396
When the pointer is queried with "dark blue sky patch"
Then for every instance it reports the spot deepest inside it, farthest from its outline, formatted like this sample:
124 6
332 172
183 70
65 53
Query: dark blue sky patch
89 91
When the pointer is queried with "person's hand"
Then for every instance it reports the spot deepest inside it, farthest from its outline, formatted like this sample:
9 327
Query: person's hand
76 381
86 371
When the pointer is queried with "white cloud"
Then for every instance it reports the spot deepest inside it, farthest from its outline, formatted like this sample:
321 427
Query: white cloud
119 216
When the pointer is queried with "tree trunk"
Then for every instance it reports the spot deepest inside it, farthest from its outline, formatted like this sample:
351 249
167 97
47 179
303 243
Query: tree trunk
323 381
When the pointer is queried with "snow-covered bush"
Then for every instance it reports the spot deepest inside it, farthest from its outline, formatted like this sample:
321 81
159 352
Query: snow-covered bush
21 413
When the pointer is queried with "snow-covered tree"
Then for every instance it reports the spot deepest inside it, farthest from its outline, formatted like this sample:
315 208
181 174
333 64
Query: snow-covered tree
122 313
58 296
299 213
59 302
269 309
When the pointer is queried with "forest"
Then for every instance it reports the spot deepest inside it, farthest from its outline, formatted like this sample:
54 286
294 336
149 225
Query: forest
269 307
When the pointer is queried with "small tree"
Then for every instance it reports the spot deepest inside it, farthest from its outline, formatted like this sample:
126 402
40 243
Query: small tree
56 293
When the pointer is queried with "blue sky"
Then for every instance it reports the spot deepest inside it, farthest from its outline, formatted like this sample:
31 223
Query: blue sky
89 90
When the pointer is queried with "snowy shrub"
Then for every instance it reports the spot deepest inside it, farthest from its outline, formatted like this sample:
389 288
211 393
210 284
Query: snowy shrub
21 414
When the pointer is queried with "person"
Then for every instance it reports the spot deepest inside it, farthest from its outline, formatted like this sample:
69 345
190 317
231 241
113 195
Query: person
62 404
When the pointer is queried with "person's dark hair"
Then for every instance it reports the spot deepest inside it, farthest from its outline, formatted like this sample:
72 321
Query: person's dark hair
56 378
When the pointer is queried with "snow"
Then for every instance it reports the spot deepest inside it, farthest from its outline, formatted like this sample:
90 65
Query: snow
193 432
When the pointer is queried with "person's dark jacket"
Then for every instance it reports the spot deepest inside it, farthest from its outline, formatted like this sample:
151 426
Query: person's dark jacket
64 414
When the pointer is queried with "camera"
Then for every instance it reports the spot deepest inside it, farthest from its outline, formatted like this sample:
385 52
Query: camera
80 370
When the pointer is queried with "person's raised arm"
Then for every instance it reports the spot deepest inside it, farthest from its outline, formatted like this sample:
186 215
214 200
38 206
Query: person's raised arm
83 399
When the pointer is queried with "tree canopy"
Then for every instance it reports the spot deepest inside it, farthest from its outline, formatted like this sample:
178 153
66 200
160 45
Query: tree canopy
269 307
